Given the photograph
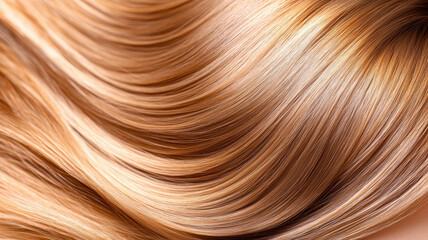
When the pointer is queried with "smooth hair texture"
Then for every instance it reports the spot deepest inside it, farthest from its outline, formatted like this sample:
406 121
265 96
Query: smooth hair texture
211 119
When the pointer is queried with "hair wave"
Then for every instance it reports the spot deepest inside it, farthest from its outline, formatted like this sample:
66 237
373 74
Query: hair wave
181 119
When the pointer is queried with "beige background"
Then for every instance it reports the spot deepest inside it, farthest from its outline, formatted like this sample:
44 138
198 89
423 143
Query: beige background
414 227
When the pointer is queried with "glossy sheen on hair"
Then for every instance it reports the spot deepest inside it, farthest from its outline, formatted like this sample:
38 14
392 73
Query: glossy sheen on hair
211 119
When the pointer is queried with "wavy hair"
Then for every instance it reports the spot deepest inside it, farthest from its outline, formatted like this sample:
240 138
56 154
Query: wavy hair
211 119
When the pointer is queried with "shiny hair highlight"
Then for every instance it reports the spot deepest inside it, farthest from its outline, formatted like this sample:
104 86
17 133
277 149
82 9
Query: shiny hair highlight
211 119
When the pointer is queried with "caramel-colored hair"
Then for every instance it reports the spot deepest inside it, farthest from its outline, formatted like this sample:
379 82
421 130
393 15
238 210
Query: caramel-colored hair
211 119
